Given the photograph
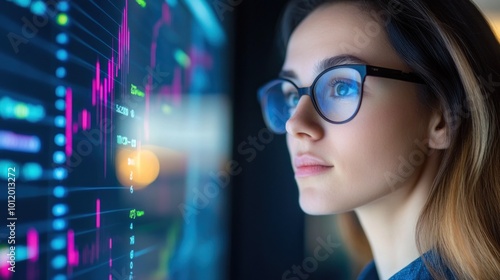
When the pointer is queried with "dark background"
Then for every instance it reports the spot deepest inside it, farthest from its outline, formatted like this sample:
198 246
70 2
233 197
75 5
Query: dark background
267 222
269 232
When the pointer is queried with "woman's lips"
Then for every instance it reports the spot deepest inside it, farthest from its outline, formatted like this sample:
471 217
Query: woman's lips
309 165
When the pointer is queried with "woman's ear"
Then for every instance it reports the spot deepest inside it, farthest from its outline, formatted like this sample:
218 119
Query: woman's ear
439 137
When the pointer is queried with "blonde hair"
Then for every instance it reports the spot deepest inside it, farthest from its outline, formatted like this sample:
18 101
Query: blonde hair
461 219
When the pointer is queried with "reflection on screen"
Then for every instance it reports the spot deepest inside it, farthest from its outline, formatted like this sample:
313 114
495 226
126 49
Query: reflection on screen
114 118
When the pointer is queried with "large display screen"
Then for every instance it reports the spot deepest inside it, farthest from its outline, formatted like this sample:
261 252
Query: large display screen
114 122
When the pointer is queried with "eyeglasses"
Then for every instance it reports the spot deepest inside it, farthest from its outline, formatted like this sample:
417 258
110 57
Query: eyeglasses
336 94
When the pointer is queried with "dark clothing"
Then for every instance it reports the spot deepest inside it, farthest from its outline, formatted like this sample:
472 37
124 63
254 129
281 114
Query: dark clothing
415 270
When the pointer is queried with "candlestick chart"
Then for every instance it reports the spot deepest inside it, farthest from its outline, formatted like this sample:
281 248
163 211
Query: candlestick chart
114 115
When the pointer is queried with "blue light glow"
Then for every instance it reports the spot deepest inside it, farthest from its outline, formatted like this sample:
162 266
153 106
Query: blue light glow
22 143
60 173
59 192
38 8
60 277
58 243
61 72
60 139
21 253
4 165
62 55
172 3
59 224
59 157
60 91
59 262
207 20
60 104
32 171
60 121
62 38
59 209
23 3
12 108
63 6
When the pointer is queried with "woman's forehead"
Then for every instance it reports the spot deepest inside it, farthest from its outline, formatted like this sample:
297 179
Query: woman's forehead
339 29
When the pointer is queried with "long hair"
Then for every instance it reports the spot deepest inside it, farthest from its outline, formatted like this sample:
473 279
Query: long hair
452 47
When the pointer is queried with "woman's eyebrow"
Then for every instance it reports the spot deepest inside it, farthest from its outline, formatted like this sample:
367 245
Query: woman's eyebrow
325 64
288 74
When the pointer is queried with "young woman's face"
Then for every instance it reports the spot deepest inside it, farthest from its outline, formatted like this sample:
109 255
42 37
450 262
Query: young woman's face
339 167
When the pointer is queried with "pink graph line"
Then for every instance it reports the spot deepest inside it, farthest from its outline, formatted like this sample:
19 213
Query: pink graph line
171 92
197 57
73 254
69 121
110 259
89 253
85 119
165 19
5 273
110 247
98 213
95 246
103 87
32 244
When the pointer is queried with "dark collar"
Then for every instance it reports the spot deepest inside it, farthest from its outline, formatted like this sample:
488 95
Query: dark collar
415 270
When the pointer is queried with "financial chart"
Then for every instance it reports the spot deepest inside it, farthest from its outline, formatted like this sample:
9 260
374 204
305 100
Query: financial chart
114 121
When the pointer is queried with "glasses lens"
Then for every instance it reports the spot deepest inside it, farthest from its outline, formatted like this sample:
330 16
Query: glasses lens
278 99
338 93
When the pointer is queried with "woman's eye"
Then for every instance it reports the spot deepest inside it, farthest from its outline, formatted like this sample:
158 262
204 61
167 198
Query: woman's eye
292 100
344 89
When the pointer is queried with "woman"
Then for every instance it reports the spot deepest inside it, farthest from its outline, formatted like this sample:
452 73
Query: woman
392 110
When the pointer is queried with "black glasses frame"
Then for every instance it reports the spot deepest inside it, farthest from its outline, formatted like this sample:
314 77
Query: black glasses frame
364 70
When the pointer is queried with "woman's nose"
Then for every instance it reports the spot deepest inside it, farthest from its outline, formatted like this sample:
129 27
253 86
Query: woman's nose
305 122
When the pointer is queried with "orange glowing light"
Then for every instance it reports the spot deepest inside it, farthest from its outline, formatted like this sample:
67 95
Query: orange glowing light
137 168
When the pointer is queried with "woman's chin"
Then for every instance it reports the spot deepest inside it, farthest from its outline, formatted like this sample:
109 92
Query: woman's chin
313 203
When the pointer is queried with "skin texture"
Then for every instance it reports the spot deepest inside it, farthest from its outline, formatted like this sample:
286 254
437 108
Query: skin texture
361 153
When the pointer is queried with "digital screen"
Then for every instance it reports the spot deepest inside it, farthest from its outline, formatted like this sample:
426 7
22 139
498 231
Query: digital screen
114 124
